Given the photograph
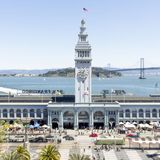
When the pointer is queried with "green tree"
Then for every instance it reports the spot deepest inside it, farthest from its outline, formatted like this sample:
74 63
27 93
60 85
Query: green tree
2 135
9 156
49 152
2 122
78 157
18 121
22 153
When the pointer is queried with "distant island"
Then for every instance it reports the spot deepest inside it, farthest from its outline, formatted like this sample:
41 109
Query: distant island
70 72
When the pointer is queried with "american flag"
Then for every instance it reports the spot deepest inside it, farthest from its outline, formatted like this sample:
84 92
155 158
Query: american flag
84 9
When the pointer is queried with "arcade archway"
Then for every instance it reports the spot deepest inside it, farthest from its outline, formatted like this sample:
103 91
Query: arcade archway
83 119
98 120
68 120
55 123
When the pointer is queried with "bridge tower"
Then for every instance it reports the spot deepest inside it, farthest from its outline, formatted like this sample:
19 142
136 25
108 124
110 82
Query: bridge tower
142 69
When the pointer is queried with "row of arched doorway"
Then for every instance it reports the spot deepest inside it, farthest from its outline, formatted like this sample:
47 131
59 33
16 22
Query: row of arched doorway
83 120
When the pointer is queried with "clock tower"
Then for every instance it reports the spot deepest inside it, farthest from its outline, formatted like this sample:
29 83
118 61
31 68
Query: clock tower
83 68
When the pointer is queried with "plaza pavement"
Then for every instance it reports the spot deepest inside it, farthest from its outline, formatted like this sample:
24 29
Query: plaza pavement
82 141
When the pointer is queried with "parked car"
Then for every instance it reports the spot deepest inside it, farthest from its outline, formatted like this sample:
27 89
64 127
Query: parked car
93 135
132 135
38 139
16 138
67 137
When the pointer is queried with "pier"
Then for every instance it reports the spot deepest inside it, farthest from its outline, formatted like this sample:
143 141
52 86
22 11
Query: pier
70 98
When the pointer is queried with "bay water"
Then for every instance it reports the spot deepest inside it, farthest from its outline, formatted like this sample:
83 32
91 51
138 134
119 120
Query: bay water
132 85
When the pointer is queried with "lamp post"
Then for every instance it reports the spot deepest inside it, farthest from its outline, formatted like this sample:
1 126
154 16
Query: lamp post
26 142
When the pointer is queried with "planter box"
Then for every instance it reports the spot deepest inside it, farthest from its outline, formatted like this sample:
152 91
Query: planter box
107 141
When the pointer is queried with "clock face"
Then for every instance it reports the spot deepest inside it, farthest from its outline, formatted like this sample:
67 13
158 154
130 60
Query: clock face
82 73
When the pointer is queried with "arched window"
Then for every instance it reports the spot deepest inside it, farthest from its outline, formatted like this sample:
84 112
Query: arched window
127 113
121 114
68 115
148 113
5 113
38 112
98 115
32 113
154 113
18 113
83 115
25 113
11 113
134 114
141 113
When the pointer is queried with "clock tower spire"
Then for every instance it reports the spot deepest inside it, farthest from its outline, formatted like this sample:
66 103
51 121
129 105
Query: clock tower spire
83 68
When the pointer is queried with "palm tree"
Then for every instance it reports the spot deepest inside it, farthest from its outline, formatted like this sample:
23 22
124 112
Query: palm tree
78 157
22 153
49 152
8 156
2 135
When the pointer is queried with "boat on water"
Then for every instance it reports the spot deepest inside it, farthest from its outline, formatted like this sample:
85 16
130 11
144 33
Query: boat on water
114 92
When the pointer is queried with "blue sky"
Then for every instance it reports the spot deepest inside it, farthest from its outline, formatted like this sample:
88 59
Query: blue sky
41 34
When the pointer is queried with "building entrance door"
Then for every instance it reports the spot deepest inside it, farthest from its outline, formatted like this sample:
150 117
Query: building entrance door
68 125
55 123
98 125
83 125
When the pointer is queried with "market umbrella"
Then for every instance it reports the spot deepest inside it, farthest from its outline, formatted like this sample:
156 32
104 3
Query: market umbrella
36 125
31 126
135 123
129 125
121 123
44 126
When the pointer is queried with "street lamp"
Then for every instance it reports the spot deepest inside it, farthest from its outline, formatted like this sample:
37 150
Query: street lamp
26 142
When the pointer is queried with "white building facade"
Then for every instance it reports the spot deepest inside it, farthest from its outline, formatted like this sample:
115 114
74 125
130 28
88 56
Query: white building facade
83 113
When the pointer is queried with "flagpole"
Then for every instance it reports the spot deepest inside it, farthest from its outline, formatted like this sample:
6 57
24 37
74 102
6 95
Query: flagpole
85 10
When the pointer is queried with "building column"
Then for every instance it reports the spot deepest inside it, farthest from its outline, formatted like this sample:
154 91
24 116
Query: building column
61 120
131 114
91 120
28 113
15 114
49 119
144 115
106 119
76 120
22 113
124 114
1 113
151 117
42 114
8 116
117 117
35 114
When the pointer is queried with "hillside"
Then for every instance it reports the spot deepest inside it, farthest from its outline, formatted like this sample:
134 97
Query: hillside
69 72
